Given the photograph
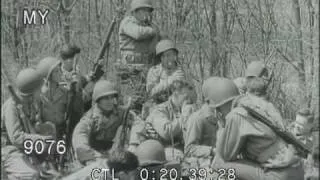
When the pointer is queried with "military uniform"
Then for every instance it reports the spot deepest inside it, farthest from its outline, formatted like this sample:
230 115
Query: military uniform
259 146
16 164
96 130
55 97
168 125
201 133
137 49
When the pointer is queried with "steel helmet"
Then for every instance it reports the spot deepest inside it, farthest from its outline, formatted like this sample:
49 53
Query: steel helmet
103 88
256 69
28 80
136 4
150 152
219 90
47 65
165 45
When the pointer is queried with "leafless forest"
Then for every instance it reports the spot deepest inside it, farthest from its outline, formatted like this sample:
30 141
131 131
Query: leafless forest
216 37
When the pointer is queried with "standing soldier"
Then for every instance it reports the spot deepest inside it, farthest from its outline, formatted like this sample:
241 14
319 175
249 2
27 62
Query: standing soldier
138 37
161 76
94 135
246 147
15 116
166 122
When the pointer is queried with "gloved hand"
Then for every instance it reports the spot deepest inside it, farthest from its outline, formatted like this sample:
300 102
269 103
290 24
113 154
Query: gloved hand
97 73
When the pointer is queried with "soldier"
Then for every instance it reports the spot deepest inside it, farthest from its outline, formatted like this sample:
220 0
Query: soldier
93 135
254 69
71 73
151 156
138 37
245 144
16 164
163 74
166 122
302 126
54 97
201 133
121 164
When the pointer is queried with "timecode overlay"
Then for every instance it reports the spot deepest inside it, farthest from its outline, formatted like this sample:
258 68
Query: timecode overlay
160 89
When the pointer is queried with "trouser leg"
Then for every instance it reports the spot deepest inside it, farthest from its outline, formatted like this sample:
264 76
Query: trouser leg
18 166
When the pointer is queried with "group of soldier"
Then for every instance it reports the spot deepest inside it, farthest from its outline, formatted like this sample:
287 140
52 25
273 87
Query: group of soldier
165 125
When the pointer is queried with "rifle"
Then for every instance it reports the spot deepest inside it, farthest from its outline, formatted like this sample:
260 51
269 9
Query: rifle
124 130
97 65
303 150
97 71
67 136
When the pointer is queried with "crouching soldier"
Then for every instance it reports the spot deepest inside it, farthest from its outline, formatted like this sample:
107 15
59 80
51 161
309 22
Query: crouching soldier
93 136
246 147
19 116
166 123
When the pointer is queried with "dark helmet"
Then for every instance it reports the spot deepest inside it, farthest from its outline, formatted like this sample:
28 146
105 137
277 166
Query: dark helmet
28 80
69 51
219 90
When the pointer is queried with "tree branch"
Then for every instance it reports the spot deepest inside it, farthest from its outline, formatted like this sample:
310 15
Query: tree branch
289 61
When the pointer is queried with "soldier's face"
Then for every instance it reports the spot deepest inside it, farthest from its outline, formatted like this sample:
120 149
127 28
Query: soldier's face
301 125
108 103
184 96
144 15
169 59
67 64
56 74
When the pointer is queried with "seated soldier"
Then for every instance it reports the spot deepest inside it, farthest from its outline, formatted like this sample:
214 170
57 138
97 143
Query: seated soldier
95 134
121 164
167 121
162 75
257 90
264 155
18 114
201 131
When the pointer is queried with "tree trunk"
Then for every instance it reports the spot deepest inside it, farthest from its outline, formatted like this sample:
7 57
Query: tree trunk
15 31
302 79
214 70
